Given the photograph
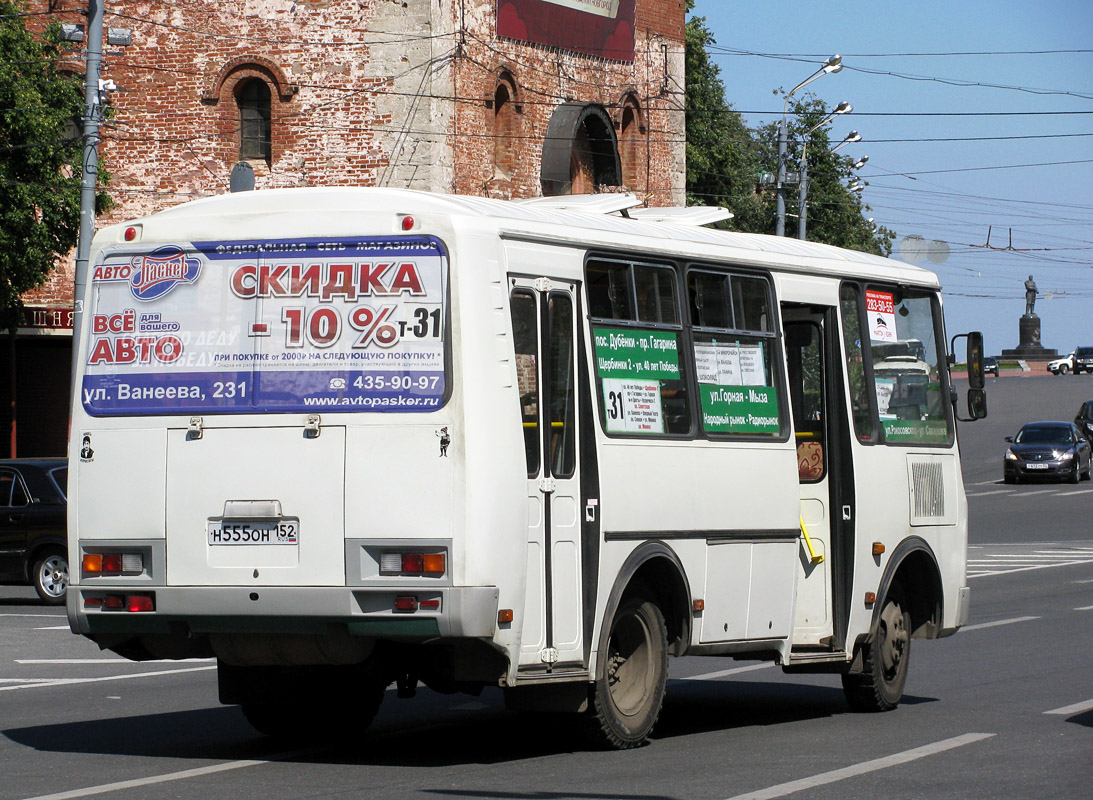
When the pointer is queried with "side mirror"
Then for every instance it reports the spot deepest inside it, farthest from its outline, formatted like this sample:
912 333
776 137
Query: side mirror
977 404
977 398
1009 439
976 376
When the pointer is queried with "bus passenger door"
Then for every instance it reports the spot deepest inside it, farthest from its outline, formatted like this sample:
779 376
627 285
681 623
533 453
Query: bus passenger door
823 461
543 321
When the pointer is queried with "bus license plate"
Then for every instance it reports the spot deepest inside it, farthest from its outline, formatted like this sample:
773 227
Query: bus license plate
283 531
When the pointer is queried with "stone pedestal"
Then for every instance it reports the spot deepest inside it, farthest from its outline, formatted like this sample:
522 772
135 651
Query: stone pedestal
1030 346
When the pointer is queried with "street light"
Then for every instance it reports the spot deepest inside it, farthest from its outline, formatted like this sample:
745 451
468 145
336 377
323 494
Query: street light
859 163
833 64
802 187
850 138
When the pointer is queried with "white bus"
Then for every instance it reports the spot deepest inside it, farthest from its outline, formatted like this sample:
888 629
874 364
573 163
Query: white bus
344 438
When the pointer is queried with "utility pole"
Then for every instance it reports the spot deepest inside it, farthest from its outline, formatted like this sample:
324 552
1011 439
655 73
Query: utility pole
780 181
92 118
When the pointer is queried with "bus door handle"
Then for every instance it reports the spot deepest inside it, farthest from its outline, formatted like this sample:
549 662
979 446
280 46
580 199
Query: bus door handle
848 514
547 485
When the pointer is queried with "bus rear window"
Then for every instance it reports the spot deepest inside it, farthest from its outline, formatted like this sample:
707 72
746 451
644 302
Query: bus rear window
268 326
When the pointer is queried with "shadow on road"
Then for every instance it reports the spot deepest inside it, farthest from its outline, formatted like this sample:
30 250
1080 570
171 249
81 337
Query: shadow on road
410 734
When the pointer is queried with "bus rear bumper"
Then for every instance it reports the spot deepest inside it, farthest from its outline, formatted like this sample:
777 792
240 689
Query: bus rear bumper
446 612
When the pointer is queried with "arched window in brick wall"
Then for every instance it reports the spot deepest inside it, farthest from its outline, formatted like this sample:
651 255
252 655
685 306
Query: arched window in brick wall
632 144
252 96
259 88
505 126
580 151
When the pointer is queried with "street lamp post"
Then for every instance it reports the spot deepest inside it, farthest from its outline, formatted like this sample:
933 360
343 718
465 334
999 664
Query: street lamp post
802 186
833 64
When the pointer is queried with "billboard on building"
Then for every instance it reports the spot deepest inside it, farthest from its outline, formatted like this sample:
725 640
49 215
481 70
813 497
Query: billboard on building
602 28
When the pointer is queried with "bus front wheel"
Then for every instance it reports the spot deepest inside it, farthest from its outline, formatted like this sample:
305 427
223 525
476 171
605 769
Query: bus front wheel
632 675
879 686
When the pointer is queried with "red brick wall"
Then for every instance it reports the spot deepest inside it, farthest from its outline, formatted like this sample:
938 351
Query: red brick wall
343 79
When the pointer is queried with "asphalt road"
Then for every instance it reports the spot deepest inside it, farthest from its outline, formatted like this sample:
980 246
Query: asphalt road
1004 709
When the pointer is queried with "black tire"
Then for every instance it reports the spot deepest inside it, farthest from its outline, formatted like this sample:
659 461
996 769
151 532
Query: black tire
885 659
1077 476
1063 370
49 575
632 675
317 721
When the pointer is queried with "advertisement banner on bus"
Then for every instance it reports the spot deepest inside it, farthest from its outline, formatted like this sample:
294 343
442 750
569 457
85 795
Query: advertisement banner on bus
275 325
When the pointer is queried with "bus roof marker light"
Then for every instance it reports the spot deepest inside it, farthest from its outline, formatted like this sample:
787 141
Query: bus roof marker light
132 233
408 223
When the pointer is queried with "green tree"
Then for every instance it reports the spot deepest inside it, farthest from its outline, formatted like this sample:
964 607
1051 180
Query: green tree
835 215
39 161
722 157
40 171
725 158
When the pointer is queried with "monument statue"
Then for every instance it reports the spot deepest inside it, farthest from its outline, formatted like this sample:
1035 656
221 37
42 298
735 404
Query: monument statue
1030 297
1029 330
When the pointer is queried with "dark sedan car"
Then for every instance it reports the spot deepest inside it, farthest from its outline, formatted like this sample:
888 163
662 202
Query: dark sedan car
1047 450
33 522
1084 420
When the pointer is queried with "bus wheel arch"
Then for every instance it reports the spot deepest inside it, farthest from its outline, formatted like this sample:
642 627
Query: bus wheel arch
642 624
909 607
655 569
913 567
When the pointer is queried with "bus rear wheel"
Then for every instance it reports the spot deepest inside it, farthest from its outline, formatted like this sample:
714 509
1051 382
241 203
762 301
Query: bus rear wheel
879 686
632 675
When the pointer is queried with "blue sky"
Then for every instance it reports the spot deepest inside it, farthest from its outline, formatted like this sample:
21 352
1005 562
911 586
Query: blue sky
966 73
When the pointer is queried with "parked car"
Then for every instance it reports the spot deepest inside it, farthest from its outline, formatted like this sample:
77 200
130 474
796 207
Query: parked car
990 366
1084 420
33 525
1061 366
1083 360
1047 450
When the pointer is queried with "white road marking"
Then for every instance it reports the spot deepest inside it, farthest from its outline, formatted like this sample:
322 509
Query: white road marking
106 661
712 676
54 628
1027 569
987 494
47 616
152 780
1084 608
73 681
1077 708
824 778
26 680
996 623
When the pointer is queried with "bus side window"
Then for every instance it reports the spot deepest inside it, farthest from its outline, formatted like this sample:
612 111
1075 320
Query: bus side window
525 335
635 311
